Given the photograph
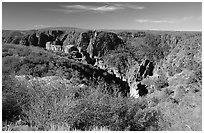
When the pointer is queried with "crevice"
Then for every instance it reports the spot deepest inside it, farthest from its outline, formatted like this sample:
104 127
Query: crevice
146 69
142 89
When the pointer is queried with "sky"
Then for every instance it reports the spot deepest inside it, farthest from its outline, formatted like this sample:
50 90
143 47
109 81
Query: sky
179 16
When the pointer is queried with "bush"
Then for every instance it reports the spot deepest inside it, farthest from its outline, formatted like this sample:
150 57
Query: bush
10 107
12 92
43 105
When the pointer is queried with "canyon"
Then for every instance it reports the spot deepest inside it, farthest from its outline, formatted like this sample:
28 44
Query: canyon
91 46
125 80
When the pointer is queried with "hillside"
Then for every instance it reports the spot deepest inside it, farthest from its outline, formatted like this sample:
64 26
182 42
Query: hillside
74 79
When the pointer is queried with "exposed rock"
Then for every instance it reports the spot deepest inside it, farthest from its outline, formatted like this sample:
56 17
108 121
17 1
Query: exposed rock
55 33
58 42
142 89
106 41
67 48
33 40
49 45
137 75
134 92
16 40
77 55
87 58
12 36
84 40
71 38
92 44
90 47
42 39
139 34
52 47
180 78
25 41
73 49
98 43
146 69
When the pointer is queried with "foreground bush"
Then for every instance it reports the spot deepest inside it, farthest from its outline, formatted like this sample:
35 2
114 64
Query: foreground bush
43 105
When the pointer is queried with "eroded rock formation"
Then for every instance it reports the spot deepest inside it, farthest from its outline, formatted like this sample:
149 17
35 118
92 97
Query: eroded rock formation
33 40
136 87
90 46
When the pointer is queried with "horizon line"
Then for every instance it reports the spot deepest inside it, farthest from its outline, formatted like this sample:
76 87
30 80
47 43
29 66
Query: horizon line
102 29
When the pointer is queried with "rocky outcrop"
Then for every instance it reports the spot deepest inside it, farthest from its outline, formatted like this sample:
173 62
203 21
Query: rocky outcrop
83 40
12 36
72 38
48 45
146 69
52 47
105 42
90 47
67 48
43 39
57 41
87 71
134 77
97 43
94 43
24 41
141 71
33 40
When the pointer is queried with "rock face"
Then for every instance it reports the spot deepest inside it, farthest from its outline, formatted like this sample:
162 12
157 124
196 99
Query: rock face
106 41
33 40
12 36
92 47
24 41
95 43
134 78
43 39
145 69
84 40
55 33
71 38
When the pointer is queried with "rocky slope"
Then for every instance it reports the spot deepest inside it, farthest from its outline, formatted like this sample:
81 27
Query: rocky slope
163 68
96 43
129 55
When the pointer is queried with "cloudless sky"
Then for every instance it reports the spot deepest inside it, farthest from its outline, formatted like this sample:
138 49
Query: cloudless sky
137 15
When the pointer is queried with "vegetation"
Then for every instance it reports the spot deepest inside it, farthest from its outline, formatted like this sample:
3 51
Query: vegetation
46 91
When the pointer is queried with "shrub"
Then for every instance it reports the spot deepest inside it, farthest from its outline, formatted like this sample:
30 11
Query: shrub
10 107
10 64
81 108
161 83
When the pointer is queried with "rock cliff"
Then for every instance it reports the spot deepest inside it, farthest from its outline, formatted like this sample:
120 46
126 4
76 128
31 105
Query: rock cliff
130 56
